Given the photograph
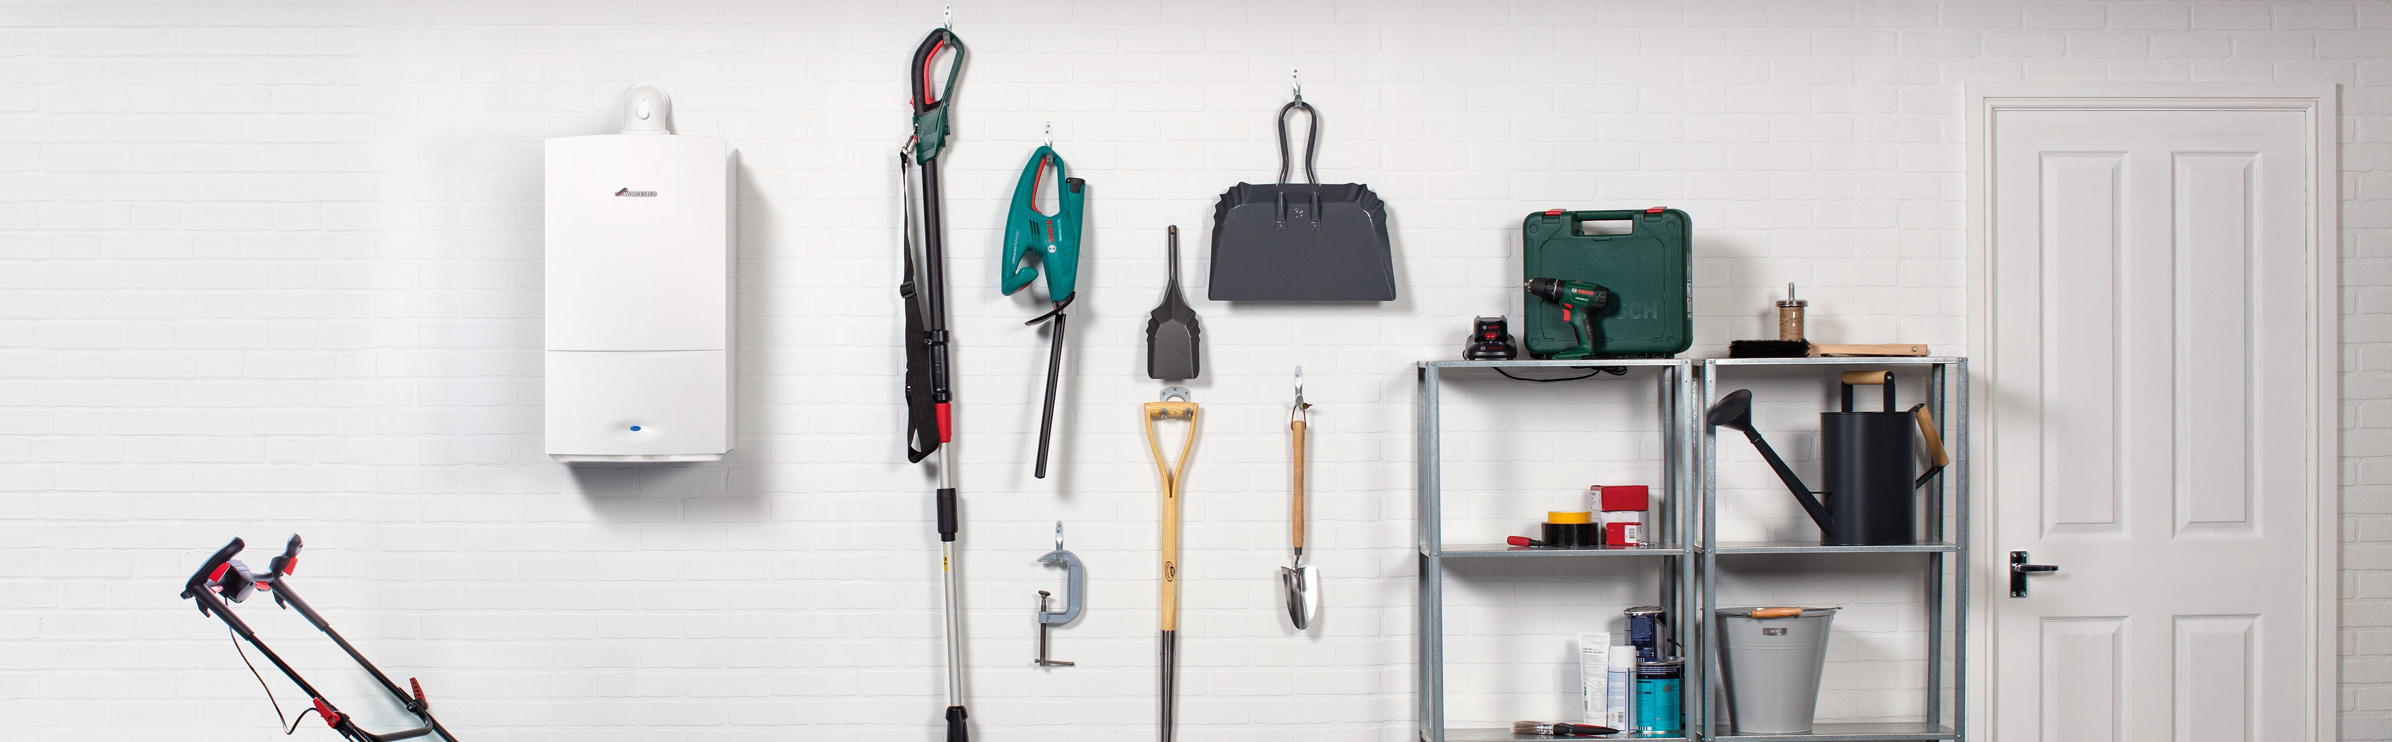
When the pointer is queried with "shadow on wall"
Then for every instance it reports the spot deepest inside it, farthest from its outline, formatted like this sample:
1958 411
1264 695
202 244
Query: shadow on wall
665 493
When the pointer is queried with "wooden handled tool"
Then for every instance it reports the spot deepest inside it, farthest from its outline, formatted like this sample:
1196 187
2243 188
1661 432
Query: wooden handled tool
1172 476
1302 582
1298 428
1880 349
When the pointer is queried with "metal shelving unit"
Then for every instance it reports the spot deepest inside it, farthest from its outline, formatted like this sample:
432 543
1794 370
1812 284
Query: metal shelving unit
1674 379
1944 551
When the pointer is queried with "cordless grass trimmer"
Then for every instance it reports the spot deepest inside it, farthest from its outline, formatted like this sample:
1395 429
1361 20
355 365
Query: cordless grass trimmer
929 422
1053 241
222 578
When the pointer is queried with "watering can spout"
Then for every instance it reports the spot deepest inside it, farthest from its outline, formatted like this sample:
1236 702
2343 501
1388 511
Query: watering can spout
1734 412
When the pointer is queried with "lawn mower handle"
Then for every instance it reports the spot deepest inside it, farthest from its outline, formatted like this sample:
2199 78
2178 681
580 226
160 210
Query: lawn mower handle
207 570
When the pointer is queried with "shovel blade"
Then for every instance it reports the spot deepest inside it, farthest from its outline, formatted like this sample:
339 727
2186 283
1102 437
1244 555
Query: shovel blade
1303 594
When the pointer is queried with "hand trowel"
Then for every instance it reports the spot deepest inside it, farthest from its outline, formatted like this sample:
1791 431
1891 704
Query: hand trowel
1303 582
1171 331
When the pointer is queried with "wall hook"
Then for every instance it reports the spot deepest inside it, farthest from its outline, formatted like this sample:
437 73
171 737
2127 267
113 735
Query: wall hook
1050 135
949 22
1295 78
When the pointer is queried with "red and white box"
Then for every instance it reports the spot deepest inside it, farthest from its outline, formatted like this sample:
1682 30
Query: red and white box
1623 509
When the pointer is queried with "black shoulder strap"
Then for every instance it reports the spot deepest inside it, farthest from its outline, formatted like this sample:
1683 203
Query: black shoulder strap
921 413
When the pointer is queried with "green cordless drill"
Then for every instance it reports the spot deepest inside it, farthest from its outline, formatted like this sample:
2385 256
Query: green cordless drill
1579 301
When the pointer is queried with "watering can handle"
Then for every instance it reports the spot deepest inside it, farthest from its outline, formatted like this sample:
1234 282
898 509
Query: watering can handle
1935 444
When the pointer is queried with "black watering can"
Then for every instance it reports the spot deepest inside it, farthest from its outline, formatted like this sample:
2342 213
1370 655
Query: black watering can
1866 457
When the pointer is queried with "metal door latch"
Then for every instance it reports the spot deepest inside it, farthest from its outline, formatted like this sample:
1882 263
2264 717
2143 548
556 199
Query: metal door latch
2019 569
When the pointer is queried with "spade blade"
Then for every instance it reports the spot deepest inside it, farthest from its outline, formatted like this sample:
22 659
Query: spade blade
1172 333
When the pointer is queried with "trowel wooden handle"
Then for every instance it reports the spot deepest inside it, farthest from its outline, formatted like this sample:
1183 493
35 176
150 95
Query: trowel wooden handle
1298 428
1927 431
1776 612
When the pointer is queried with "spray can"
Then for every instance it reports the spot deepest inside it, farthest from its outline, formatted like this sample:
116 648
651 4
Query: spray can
1646 624
1622 678
1660 690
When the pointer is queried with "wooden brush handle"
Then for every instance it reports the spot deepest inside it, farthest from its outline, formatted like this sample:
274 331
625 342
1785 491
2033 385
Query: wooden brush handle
1298 428
1882 349
1776 612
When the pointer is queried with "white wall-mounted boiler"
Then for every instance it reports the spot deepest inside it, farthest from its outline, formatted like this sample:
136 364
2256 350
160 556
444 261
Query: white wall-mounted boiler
640 230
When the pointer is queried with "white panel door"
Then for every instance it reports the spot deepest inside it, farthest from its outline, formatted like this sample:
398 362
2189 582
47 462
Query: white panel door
2151 423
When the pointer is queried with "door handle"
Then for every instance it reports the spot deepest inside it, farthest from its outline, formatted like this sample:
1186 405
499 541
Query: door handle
2019 569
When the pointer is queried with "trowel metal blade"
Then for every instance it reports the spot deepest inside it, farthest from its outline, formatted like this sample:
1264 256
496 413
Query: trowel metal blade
1303 594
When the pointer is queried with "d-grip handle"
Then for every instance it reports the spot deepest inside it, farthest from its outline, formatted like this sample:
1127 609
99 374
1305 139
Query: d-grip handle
1312 143
938 39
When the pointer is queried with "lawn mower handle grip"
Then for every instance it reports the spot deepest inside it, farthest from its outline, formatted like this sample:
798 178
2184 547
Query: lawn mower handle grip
289 561
199 579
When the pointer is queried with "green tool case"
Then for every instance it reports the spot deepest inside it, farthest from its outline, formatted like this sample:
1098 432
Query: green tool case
1648 270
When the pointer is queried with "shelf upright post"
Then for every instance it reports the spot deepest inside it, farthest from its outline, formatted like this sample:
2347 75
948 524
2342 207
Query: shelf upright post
1935 560
1432 568
1957 426
1710 541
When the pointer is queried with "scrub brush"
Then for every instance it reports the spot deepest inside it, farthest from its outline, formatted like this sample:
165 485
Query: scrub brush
1790 342
1558 729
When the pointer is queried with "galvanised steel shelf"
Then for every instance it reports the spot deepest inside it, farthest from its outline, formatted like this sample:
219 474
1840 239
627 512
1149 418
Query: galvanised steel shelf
1896 731
1944 551
1806 547
1672 516
1507 551
1869 361
1505 735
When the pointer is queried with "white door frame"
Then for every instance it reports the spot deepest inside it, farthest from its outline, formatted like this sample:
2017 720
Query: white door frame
2317 101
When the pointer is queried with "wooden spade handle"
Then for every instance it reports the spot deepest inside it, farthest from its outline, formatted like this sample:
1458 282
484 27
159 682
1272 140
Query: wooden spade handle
1170 555
1171 476
1866 378
1298 428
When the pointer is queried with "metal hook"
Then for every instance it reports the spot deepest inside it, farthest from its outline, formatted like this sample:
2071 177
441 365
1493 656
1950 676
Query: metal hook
1301 410
1050 135
1058 535
949 23
1178 391
1295 78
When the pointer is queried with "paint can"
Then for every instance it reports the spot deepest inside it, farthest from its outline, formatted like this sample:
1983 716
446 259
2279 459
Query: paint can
1660 694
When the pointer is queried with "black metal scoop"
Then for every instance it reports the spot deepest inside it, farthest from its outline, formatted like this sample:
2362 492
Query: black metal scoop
1172 335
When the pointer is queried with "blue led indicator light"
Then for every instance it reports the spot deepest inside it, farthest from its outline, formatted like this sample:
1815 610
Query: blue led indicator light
635 428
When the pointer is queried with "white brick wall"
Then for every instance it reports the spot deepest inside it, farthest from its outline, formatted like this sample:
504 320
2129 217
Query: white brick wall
275 267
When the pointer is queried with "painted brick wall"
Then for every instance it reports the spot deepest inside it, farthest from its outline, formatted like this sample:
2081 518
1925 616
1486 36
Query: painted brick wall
276 267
